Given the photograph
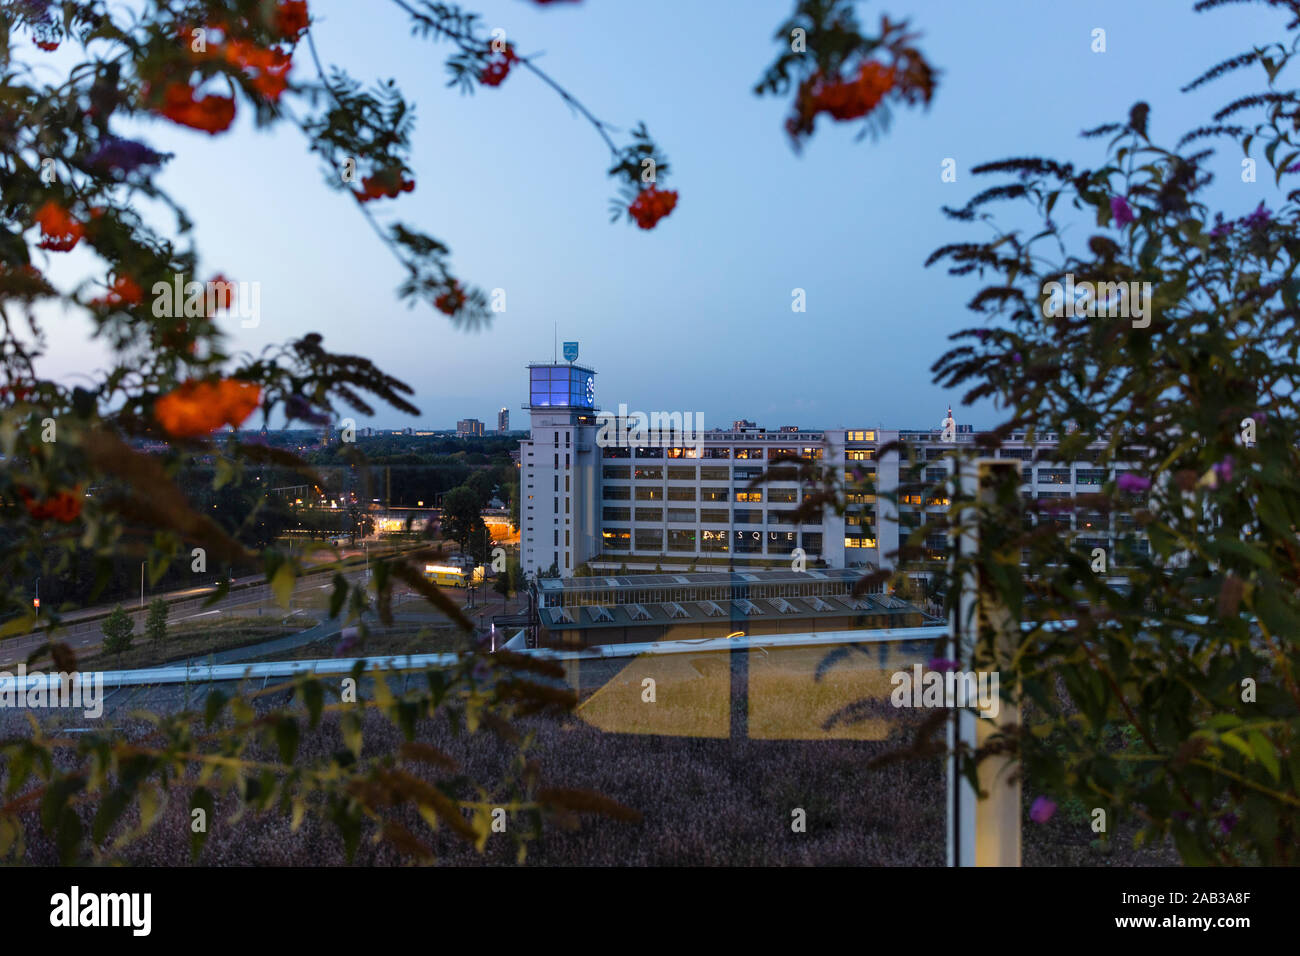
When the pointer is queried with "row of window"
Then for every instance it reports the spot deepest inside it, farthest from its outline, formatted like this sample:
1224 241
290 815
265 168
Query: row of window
716 516
643 493
751 542
743 454
721 594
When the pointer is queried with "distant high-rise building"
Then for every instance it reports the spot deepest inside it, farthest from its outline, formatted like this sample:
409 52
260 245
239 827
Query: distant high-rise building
741 424
503 421
469 428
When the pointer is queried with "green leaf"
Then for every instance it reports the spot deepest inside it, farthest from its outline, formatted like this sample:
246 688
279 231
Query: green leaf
1266 754
152 801
8 835
1223 721
282 584
339 595
313 696
110 810
212 707
1232 740
350 727
201 799
286 735
68 837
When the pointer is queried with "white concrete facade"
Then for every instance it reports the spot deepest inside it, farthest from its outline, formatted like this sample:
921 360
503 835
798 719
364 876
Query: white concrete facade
650 502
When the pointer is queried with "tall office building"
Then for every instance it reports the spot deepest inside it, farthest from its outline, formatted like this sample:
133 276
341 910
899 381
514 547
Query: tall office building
609 496
503 421
559 470
469 428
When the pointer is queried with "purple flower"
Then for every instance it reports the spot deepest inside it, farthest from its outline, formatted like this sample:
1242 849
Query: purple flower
1133 483
1042 809
125 155
1227 822
481 671
1221 228
1223 470
1257 219
982 334
1016 357
1293 168
1119 208
942 664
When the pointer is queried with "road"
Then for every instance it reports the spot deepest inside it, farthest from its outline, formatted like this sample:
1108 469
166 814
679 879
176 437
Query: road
82 630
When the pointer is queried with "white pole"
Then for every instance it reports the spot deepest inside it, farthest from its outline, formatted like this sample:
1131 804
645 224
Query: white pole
981 831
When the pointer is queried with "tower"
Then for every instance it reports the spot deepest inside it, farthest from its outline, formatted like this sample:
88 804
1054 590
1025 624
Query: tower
559 469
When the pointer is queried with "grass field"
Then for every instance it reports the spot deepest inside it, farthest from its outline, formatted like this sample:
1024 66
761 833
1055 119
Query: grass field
197 641
787 700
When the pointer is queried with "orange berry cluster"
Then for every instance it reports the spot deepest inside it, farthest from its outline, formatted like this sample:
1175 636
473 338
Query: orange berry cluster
451 300
651 205
498 68
64 506
211 114
853 99
843 99
383 187
123 291
59 231
267 69
195 409
19 392
291 18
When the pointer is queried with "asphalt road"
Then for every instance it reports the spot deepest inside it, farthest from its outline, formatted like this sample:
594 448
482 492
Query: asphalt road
311 594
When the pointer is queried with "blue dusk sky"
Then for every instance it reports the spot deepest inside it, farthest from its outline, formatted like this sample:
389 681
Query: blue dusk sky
696 314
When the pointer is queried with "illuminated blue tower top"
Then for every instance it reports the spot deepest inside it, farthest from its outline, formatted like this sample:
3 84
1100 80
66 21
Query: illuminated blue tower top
561 385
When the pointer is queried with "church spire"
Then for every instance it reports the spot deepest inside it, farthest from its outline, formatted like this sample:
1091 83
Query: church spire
949 427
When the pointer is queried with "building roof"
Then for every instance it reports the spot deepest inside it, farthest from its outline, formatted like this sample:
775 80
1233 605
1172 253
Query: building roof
632 599
604 582
732 615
